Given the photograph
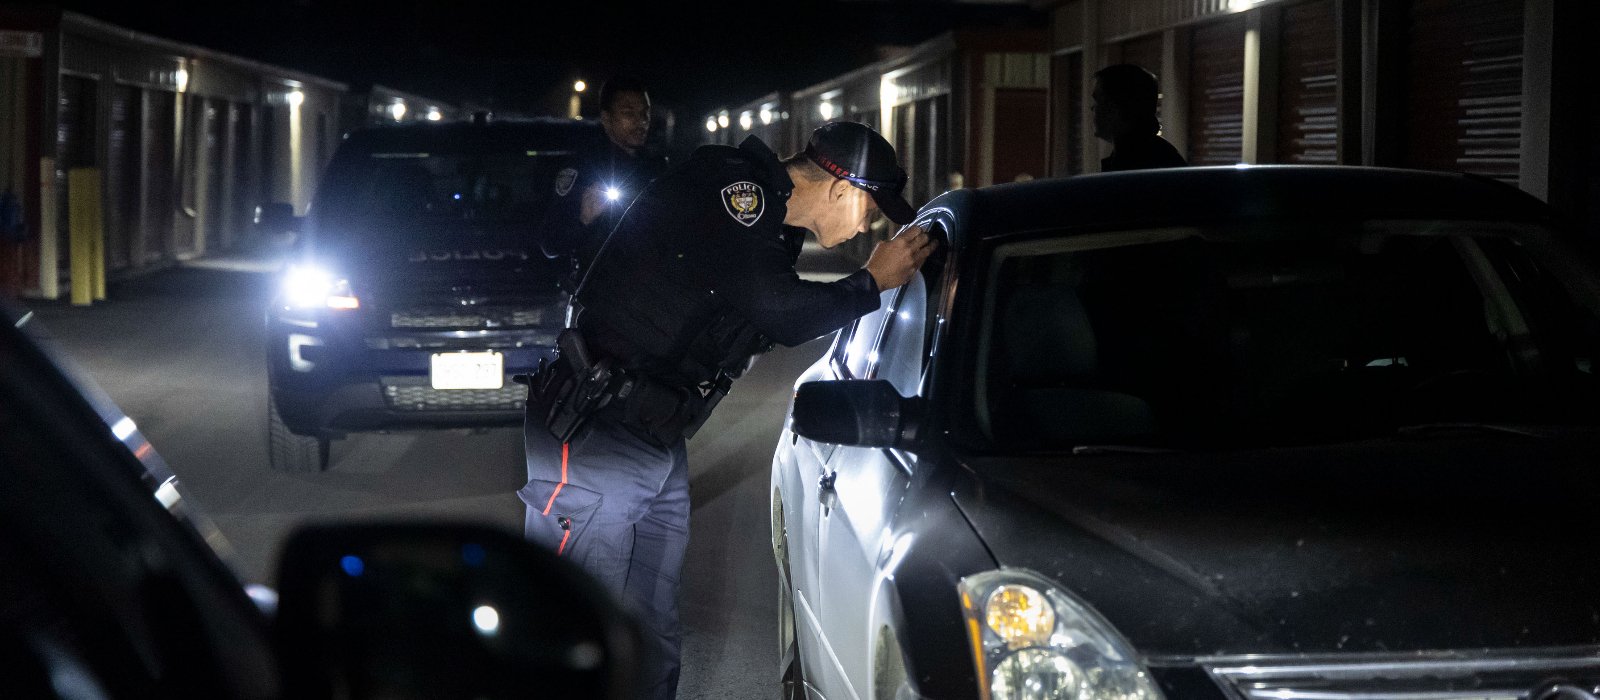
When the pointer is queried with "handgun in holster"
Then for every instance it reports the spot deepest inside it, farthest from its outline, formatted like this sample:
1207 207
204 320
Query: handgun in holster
573 387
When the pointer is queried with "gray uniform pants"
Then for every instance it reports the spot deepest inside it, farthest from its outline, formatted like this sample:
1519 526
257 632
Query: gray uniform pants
618 507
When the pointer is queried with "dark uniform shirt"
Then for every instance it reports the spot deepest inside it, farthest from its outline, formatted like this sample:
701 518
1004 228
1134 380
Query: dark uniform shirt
705 247
1142 151
603 165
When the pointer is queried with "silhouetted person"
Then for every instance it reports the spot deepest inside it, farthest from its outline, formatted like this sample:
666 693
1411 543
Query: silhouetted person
1125 114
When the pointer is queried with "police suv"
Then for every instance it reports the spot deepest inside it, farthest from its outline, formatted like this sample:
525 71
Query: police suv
418 287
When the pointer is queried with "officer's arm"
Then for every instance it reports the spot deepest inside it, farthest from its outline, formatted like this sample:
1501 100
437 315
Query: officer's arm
560 231
762 285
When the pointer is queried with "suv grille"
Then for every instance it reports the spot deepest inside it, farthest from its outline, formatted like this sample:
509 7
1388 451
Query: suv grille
471 317
418 394
1440 676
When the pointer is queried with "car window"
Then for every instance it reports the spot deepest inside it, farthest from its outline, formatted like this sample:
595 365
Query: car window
1197 338
857 353
901 353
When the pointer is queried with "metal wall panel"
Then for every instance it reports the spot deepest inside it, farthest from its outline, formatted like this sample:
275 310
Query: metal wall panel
1216 92
1308 84
213 154
76 145
1464 87
1067 113
1144 52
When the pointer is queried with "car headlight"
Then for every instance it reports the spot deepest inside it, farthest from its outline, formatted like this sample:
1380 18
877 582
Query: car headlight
306 286
1032 640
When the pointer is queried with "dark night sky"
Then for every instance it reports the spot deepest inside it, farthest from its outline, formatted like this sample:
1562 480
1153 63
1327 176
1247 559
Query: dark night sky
522 55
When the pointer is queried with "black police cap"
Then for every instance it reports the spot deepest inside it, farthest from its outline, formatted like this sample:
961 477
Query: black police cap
860 156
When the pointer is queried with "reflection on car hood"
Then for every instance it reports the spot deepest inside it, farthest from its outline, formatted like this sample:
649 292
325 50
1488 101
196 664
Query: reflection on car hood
1436 542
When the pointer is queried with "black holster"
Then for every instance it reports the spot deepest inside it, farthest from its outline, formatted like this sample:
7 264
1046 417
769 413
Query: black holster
563 393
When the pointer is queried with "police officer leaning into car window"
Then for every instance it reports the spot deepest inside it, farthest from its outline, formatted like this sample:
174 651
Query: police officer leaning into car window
606 177
696 279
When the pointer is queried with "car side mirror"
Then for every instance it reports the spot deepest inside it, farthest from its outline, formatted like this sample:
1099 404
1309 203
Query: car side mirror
863 413
276 219
423 611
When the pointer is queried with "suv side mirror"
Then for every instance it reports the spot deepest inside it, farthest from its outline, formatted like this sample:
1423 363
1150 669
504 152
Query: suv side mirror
276 218
863 413
422 611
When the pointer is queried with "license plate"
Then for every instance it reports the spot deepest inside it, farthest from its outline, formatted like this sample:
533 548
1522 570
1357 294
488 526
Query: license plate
467 370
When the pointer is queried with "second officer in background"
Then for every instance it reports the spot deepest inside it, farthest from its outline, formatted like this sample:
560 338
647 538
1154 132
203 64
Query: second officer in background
605 178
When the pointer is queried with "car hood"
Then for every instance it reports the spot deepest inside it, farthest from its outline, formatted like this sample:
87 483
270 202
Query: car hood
1444 541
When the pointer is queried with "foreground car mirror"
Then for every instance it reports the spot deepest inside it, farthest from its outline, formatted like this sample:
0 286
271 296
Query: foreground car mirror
424 611
863 413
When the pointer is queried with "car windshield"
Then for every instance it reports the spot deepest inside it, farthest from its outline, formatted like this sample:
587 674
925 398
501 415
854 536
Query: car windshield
440 190
1296 334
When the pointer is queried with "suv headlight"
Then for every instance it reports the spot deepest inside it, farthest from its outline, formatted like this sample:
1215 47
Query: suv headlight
307 286
1031 640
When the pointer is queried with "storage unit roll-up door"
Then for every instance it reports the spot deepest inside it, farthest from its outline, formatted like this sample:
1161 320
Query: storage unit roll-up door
122 175
1308 85
1464 87
1216 93
161 195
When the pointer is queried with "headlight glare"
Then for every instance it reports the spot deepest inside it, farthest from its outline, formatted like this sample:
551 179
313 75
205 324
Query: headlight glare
1020 615
306 286
1033 640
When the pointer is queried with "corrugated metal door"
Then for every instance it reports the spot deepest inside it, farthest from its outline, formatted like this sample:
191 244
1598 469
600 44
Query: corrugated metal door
161 194
1216 93
1308 85
1464 86
122 175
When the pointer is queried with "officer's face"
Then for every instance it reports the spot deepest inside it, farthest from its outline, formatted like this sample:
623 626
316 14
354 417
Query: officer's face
627 123
850 212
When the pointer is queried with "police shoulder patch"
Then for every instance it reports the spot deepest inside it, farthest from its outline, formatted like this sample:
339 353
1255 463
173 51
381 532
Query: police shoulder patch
565 180
744 201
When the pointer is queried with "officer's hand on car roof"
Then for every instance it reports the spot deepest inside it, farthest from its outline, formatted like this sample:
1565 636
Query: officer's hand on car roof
894 261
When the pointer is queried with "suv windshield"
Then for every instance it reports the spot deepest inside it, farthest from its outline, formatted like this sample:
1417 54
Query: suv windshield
1197 338
430 191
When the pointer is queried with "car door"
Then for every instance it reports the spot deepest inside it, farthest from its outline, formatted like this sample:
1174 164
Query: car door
810 494
861 489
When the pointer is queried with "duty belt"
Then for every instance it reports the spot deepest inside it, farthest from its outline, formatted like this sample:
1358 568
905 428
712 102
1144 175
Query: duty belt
575 386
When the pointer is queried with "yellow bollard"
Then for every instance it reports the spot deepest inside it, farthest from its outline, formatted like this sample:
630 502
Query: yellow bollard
86 232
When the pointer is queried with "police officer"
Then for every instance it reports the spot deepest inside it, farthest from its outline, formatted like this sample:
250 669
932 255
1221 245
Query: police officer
696 279
605 178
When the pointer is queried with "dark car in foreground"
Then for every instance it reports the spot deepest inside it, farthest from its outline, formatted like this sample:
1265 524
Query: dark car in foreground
418 287
112 585
1219 433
